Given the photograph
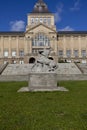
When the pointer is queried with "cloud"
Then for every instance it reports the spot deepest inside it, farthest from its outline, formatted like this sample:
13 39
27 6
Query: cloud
67 28
58 12
76 6
17 25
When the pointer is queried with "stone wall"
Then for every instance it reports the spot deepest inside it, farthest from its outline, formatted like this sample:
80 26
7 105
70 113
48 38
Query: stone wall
60 77
13 78
63 77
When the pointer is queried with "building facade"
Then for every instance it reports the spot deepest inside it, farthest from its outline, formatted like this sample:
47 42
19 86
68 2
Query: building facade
23 47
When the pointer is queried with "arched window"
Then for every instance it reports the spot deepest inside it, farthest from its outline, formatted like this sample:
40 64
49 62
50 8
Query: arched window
40 40
32 60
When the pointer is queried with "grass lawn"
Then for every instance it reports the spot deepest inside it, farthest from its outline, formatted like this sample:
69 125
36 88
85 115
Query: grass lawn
43 110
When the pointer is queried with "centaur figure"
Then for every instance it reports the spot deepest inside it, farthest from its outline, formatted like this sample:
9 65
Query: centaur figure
43 63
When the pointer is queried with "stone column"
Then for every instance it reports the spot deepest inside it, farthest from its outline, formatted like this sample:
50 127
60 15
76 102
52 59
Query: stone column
64 47
30 46
17 47
10 47
25 46
72 41
52 43
56 46
79 38
2 46
25 50
86 45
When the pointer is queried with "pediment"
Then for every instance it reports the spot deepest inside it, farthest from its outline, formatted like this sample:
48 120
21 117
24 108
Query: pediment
40 28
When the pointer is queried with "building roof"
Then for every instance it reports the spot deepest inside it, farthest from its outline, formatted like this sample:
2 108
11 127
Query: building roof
75 33
40 7
12 33
60 33
72 32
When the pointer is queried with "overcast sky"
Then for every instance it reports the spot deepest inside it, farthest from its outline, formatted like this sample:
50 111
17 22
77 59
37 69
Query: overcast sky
70 15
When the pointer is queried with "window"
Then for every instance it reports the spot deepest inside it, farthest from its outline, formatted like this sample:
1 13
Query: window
36 20
13 53
37 50
15 62
49 21
68 53
13 37
21 38
40 40
32 20
5 53
34 51
44 20
41 20
60 53
21 62
21 53
69 61
83 53
5 37
76 53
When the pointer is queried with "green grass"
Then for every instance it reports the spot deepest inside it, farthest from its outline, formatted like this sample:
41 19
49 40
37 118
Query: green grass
43 110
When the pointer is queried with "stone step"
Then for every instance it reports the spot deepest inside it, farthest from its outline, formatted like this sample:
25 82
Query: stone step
26 89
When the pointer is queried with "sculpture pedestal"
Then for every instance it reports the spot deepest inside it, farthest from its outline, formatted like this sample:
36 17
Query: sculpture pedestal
42 81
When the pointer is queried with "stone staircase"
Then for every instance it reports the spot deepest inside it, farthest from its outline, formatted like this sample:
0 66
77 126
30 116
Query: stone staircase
83 67
25 69
17 69
68 68
2 67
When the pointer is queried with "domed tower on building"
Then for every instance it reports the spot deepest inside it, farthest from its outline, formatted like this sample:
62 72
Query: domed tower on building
40 31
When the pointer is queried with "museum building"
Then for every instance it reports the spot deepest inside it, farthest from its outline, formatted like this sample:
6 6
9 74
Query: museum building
41 33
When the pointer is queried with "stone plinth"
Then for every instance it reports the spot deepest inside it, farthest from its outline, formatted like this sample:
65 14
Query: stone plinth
42 81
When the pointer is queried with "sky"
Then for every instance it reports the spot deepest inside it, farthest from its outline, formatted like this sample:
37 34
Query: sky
70 15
